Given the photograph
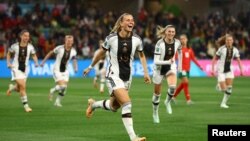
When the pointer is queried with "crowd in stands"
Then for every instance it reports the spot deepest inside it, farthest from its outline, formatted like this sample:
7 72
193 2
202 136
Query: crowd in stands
49 23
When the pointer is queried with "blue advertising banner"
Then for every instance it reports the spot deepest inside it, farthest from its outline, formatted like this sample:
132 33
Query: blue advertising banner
47 69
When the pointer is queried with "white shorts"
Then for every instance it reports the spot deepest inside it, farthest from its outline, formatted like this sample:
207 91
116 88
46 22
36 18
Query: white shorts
61 76
114 83
222 76
17 74
157 77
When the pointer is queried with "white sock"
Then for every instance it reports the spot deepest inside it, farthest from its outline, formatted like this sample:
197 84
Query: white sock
105 104
56 88
24 100
225 99
127 120
156 102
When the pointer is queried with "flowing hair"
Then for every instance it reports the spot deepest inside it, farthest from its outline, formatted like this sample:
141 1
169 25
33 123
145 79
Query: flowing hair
117 26
160 32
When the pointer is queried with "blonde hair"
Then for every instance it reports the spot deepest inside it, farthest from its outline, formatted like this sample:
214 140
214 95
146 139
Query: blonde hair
160 32
117 26
222 40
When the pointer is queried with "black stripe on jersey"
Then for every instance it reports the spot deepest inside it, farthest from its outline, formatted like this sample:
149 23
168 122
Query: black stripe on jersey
229 56
123 54
22 58
169 53
64 60
111 82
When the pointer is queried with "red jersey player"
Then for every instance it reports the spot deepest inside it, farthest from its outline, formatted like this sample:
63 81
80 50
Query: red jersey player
187 56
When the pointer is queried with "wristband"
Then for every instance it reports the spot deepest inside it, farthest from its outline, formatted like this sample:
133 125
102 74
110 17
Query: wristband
90 67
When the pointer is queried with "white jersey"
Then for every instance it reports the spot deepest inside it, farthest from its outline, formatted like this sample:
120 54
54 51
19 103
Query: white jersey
121 55
21 56
63 57
166 52
226 56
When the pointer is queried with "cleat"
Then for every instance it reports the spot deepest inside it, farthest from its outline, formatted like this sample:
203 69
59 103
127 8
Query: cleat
156 117
224 106
58 104
190 102
139 139
90 110
8 92
50 95
28 109
168 107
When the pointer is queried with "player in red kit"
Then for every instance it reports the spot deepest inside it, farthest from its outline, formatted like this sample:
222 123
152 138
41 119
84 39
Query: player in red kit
187 56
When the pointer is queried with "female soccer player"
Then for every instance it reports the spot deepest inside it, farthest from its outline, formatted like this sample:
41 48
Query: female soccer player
64 53
225 74
187 57
165 67
22 50
121 44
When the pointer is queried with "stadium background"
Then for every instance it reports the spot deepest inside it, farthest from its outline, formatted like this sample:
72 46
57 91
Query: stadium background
91 20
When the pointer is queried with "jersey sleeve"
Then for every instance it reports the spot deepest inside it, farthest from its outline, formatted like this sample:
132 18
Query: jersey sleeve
12 48
56 49
157 49
106 44
218 52
140 45
237 54
33 50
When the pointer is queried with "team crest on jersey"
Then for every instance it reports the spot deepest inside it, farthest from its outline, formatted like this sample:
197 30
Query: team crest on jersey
124 49
157 49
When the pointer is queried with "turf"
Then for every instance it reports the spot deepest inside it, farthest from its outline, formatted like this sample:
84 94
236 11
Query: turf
49 123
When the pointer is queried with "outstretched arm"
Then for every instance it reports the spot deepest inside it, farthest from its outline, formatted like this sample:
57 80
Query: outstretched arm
46 57
145 68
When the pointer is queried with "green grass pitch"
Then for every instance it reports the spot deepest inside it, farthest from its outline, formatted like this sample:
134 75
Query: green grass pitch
187 123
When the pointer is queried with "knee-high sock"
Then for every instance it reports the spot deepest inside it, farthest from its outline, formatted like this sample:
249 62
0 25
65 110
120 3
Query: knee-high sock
156 102
170 94
104 104
186 90
127 120
24 100
178 90
227 94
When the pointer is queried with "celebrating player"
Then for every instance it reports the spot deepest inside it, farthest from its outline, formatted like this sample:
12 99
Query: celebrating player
225 74
121 44
64 53
165 67
22 50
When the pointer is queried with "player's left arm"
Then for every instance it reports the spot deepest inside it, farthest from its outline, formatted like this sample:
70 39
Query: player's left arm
144 65
240 65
